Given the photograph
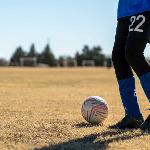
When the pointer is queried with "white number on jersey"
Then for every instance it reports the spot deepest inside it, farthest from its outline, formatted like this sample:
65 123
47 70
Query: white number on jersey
137 28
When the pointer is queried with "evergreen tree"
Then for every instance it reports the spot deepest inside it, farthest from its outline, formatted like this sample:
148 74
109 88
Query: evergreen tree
47 57
32 52
15 59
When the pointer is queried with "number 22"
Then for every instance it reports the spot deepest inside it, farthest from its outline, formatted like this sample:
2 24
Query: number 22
137 28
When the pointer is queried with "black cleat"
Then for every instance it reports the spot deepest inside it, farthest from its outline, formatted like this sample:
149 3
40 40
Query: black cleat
146 124
128 123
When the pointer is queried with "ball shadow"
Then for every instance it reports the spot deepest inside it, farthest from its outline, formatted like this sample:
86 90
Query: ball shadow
86 125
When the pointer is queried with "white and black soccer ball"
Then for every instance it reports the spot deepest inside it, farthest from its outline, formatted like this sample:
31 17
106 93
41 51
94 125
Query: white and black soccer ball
94 110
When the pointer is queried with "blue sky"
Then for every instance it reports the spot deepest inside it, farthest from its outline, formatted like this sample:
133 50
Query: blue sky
66 24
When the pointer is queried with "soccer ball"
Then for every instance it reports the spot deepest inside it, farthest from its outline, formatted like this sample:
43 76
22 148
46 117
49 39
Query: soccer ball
94 110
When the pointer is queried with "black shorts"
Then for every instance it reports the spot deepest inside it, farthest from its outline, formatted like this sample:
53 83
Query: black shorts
136 26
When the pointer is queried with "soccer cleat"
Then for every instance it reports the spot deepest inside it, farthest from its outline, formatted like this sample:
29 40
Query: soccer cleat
129 123
146 124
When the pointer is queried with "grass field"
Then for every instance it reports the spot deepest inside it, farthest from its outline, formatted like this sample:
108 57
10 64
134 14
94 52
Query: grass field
40 110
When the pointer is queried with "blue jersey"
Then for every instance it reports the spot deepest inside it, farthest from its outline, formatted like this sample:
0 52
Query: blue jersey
132 7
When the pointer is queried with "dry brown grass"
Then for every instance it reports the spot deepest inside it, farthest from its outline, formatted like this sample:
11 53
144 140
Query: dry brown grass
40 110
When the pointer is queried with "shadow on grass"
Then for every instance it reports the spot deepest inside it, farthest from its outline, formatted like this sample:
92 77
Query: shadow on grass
98 141
85 125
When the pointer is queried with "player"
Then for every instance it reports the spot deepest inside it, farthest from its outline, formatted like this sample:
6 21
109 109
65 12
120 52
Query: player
132 35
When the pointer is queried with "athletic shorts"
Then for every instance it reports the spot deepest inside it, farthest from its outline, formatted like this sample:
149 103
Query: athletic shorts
136 26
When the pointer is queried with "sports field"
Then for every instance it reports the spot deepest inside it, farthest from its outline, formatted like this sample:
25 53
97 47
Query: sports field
40 110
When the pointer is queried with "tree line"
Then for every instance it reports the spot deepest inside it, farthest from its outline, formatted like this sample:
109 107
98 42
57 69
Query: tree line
48 58
45 57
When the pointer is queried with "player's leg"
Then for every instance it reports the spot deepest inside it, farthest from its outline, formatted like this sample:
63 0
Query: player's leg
135 56
136 43
125 78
